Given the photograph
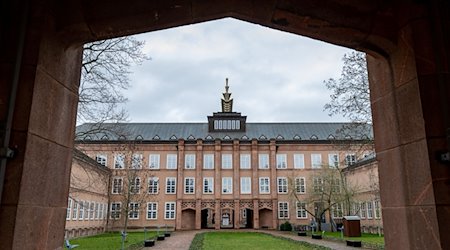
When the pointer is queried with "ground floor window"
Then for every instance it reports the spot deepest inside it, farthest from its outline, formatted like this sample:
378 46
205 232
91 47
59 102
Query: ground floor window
301 210
152 210
283 210
169 213
134 210
115 210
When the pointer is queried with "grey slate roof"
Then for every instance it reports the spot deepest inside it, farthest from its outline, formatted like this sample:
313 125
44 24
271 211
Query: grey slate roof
192 131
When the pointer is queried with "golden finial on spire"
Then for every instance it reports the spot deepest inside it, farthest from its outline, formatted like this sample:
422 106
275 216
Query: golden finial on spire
227 101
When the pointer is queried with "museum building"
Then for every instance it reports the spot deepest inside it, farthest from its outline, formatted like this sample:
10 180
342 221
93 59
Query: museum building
223 173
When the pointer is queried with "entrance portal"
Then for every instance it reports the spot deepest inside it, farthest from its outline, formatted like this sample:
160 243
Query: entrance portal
247 218
207 218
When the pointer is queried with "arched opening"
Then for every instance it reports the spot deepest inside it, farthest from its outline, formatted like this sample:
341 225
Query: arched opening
409 84
208 220
188 219
266 218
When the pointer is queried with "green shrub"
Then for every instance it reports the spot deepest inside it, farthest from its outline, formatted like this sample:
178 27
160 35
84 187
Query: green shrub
286 226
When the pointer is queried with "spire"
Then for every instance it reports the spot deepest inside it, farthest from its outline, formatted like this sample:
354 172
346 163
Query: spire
227 101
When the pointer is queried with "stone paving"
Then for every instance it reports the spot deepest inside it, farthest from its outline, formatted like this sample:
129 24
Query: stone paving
181 240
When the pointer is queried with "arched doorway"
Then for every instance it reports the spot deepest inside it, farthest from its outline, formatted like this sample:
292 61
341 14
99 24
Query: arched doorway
266 218
207 218
188 219
246 218
227 218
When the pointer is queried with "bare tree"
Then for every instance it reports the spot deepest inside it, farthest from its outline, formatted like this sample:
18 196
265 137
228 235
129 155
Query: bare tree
104 76
350 93
132 186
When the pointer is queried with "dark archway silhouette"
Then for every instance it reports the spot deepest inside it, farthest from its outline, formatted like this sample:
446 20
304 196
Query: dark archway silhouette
407 43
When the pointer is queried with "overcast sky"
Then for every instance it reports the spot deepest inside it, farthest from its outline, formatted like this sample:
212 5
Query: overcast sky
274 76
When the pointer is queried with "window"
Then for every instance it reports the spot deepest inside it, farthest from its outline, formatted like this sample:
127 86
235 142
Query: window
153 185
152 210
189 161
283 210
208 161
115 210
189 185
363 210
134 211
119 161
208 185
86 210
227 161
281 161
355 208
75 210
169 212
350 159
100 211
264 185
135 185
101 159
246 185
316 160
117 185
227 185
301 210
299 161
282 185
335 186
171 185
336 211
136 161
171 161
263 161
245 161
81 210
317 185
333 160
96 211
377 209
300 185
153 161
69 208
369 210
244 213
91 210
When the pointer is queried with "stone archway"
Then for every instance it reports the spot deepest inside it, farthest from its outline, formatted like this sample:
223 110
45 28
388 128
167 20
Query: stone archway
408 69
188 219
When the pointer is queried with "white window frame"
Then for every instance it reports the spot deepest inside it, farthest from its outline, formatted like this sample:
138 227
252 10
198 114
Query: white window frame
377 209
208 161
133 211
87 206
119 161
117 185
299 161
189 185
208 185
171 161
300 185
154 161
263 161
333 160
169 210
69 209
246 185
245 161
350 159
282 185
169 185
102 159
96 210
281 161
91 210
318 184
316 161
136 161
227 161
227 185
115 211
283 210
152 210
336 211
135 185
362 210
264 185
301 210
153 185
189 161
81 210
75 210
369 210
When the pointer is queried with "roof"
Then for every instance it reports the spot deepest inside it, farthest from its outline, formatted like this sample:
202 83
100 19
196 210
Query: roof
193 131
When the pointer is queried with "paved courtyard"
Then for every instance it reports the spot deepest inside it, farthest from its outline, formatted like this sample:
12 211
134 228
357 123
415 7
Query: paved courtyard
181 240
